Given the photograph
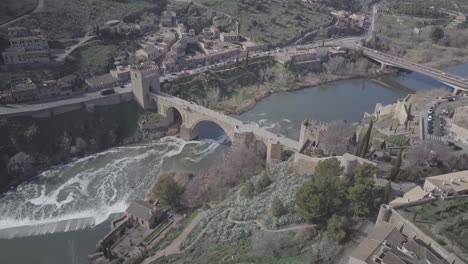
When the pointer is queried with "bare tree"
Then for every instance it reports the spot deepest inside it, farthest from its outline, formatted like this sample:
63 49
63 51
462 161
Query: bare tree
336 139
429 154
241 164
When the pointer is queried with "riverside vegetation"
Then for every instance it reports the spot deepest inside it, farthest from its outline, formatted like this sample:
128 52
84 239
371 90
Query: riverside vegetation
237 88
266 216
29 145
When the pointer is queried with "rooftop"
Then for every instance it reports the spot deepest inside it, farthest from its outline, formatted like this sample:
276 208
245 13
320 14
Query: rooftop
141 209
456 181
101 79
23 85
388 245
415 194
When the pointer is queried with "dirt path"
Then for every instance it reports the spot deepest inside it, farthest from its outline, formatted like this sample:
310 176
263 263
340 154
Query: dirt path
264 228
63 56
174 247
39 8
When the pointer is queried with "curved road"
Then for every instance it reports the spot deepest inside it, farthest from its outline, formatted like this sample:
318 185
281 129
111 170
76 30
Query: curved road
39 8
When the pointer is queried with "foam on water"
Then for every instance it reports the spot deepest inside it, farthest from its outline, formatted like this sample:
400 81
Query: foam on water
86 191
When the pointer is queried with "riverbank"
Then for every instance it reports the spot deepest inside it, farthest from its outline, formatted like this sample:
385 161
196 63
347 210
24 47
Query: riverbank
310 83
31 145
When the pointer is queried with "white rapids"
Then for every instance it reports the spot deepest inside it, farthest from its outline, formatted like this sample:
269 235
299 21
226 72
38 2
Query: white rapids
87 191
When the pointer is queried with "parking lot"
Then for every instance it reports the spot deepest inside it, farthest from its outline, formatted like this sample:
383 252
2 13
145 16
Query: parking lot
439 119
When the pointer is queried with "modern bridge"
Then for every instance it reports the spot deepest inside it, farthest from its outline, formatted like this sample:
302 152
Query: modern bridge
452 80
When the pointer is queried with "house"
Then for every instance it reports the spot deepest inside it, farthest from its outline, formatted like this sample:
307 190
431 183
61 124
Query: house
102 82
23 90
121 73
26 47
150 52
54 88
144 213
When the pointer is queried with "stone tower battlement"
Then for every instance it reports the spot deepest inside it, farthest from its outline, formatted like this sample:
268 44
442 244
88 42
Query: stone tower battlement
145 79
311 131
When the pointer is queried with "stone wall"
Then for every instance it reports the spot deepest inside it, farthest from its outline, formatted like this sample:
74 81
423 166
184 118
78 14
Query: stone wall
305 165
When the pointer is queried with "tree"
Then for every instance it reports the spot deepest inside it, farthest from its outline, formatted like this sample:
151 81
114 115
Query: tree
320 197
364 172
277 207
362 198
337 228
337 138
168 191
329 168
21 165
396 166
364 143
248 190
437 33
262 183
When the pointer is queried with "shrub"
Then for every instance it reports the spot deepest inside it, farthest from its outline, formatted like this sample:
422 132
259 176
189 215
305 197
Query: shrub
248 190
262 183
277 207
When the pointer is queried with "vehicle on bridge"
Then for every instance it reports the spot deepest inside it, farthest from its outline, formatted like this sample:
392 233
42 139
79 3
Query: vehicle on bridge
107 91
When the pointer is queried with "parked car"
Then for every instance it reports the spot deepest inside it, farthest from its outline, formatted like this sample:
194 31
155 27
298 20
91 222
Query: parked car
107 91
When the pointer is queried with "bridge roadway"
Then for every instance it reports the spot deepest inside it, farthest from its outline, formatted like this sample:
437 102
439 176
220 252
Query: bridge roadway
456 82
240 126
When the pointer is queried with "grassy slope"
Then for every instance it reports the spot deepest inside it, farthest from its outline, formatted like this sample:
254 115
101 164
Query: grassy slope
271 20
10 9
72 18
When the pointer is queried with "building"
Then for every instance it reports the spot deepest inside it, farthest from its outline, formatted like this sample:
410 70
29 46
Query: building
102 82
459 129
54 88
455 183
26 47
387 245
169 19
121 73
150 52
24 90
143 213
231 37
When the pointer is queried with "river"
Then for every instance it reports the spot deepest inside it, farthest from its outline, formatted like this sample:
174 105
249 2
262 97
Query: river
59 216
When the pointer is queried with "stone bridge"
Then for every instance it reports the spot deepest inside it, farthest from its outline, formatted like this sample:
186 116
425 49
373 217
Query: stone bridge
452 80
278 147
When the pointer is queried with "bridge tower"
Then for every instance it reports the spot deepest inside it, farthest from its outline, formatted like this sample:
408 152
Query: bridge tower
145 79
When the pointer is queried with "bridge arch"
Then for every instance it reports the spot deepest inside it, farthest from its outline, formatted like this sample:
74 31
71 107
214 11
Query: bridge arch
174 115
261 149
286 154
195 126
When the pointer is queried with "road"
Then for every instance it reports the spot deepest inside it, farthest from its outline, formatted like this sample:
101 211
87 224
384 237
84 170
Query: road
39 8
19 109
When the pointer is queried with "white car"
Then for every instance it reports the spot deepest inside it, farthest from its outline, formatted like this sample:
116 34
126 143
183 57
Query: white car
429 118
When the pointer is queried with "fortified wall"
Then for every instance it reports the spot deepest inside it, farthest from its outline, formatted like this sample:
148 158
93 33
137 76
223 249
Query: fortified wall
310 134
401 110
305 165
